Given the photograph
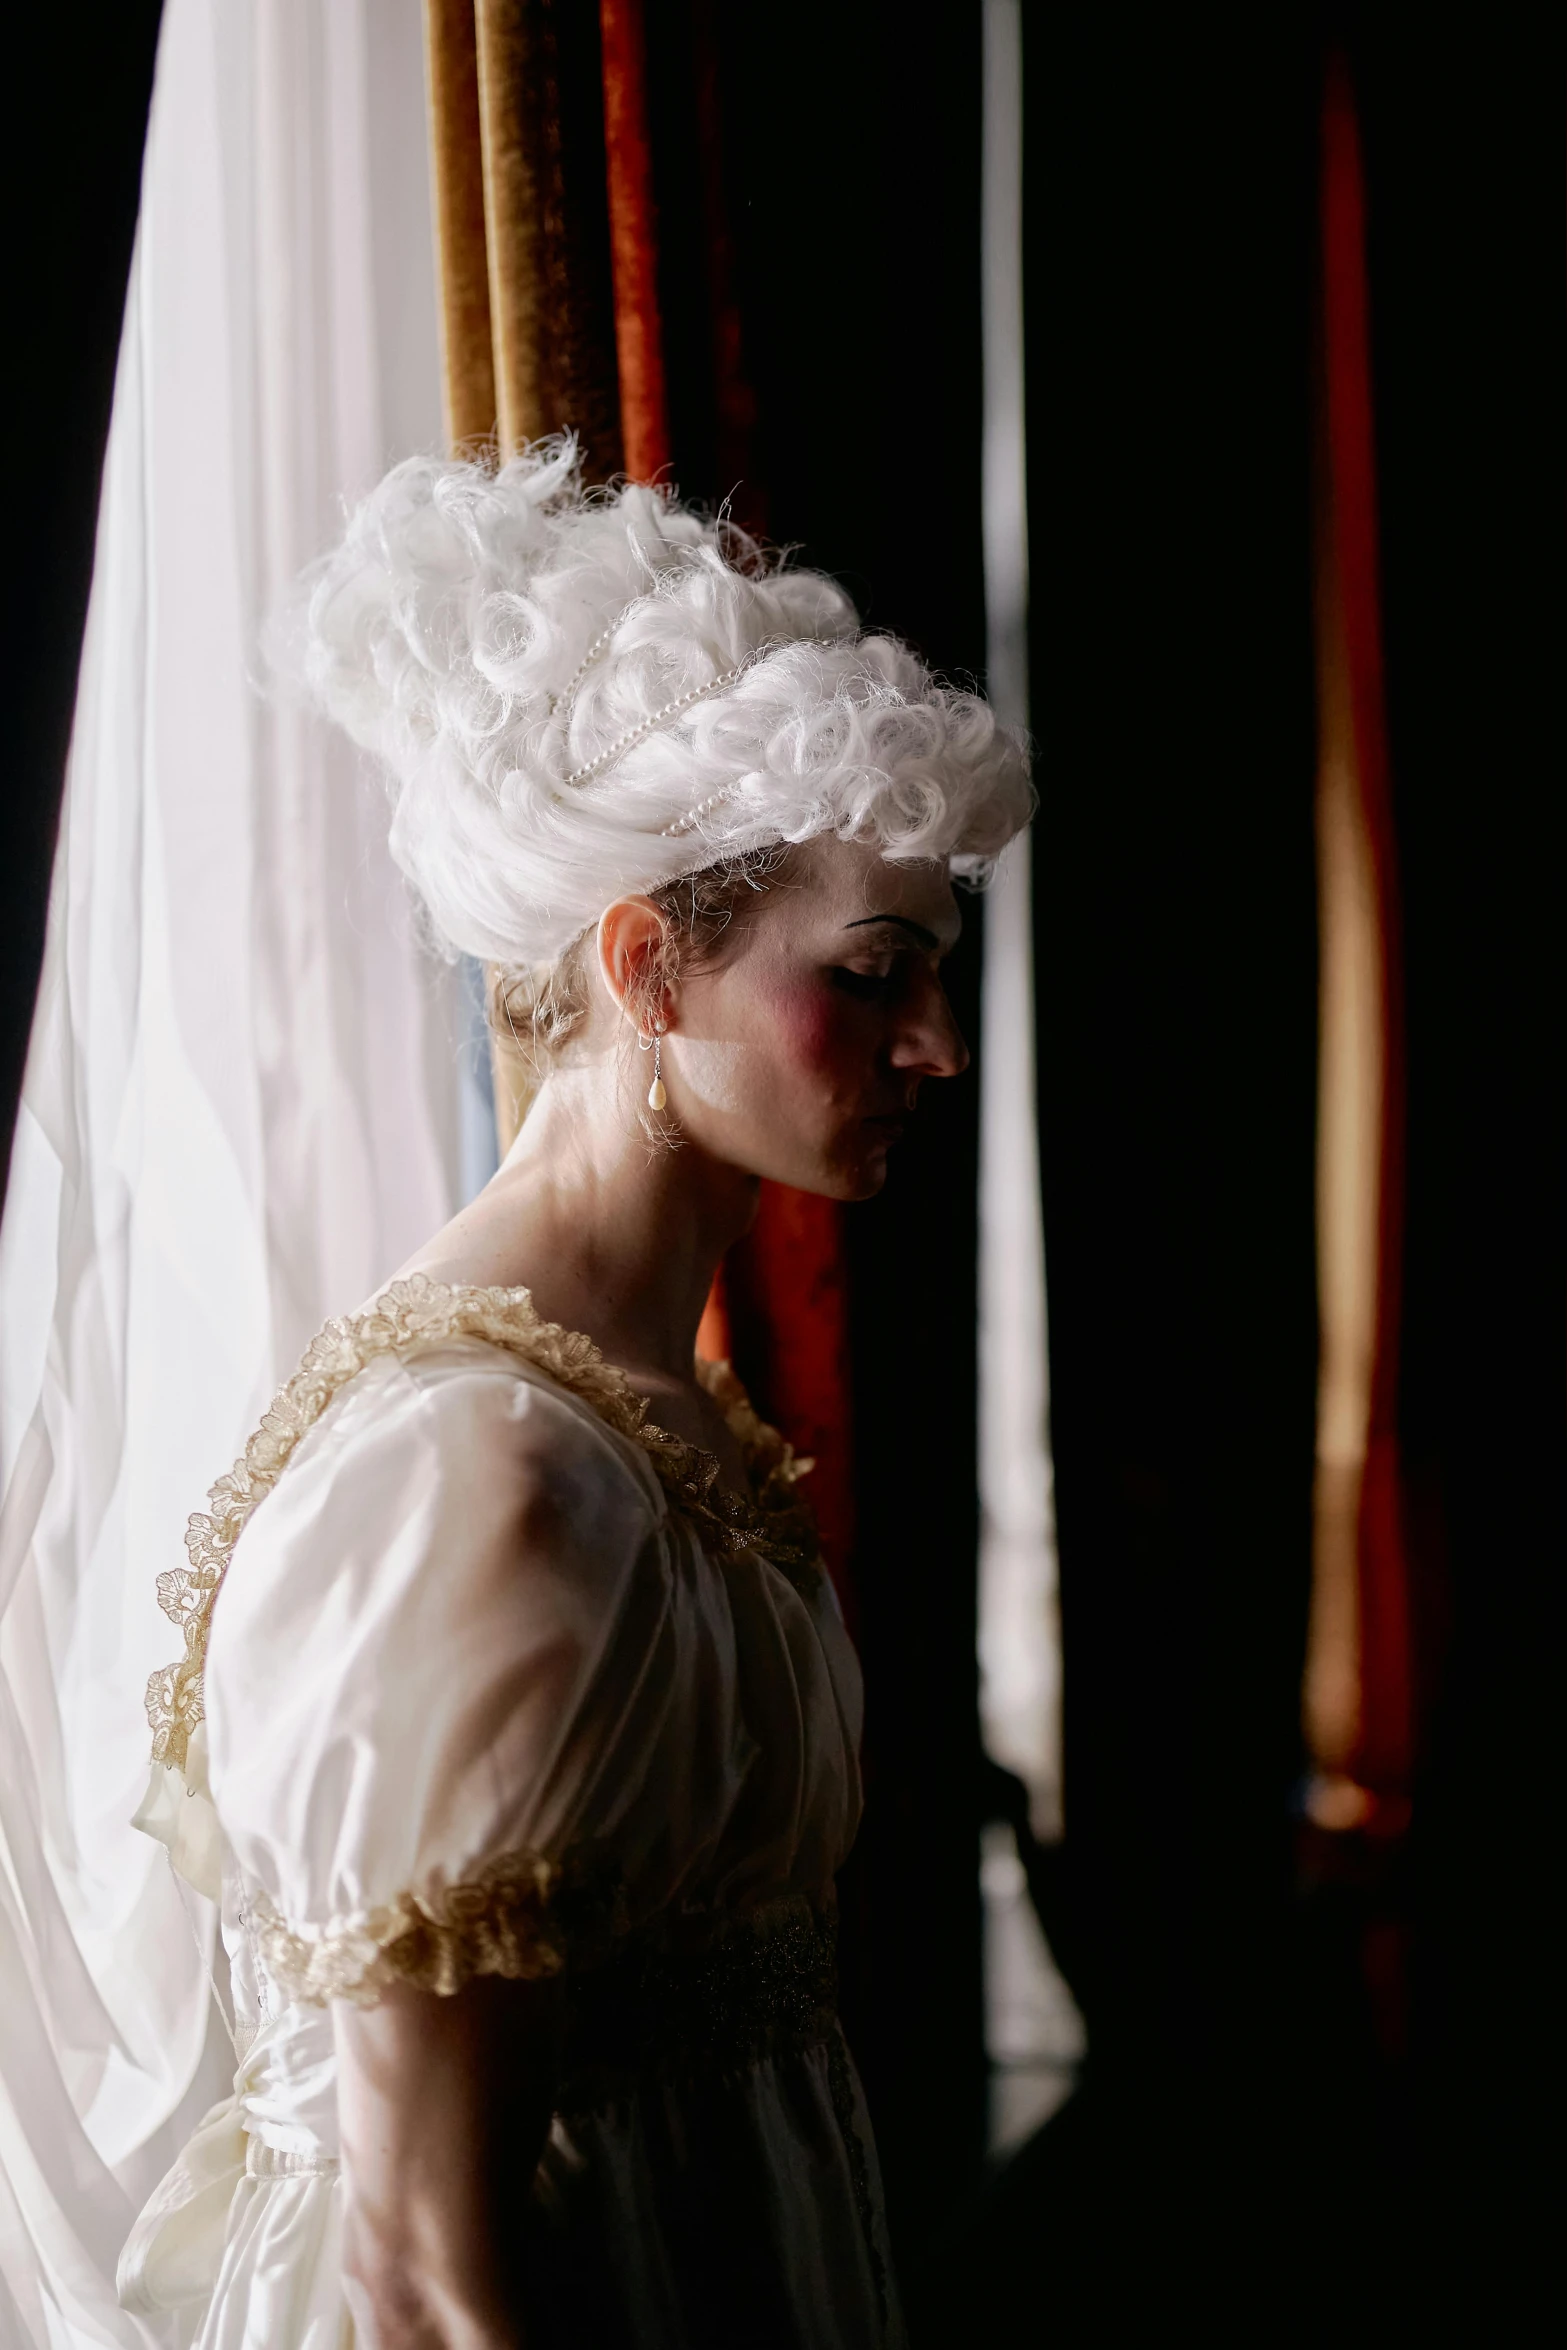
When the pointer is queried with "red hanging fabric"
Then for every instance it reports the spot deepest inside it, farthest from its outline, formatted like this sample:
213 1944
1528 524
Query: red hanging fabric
628 153
779 1309
1384 1755
786 1287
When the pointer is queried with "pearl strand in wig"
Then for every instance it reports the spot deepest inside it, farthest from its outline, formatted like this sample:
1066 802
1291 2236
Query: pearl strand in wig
579 693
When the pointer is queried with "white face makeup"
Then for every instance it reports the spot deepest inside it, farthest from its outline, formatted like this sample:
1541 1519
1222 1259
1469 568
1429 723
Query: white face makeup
709 1069
799 1053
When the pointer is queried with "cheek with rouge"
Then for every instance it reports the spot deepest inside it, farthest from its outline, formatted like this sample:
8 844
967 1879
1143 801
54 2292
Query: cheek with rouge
806 1025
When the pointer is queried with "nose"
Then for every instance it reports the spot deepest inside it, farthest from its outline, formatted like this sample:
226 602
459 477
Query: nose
930 1044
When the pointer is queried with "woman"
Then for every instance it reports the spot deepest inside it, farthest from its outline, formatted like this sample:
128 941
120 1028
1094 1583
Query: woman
530 1720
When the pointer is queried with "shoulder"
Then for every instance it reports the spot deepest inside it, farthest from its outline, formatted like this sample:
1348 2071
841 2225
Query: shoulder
441 1496
484 1420
457 1559
484 1415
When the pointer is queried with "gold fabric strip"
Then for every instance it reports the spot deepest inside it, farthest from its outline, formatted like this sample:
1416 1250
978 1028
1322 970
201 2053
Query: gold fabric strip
541 109
457 182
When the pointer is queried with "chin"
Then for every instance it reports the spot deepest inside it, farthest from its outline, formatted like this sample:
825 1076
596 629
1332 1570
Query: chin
849 1167
846 1183
862 1181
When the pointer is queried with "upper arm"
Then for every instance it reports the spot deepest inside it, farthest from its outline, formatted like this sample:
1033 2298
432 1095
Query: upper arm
443 2106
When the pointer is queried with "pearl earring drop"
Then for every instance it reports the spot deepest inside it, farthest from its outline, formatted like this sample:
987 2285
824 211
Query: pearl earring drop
656 1096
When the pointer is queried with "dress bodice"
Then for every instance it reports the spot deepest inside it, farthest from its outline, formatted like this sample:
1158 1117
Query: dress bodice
497 1679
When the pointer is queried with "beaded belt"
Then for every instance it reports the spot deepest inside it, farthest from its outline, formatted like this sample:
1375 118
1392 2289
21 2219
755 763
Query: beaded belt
766 1987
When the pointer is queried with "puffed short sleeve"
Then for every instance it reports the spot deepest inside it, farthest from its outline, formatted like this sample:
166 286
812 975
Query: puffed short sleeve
417 1664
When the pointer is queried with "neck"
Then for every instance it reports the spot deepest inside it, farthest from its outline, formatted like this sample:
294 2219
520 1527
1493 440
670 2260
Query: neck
614 1235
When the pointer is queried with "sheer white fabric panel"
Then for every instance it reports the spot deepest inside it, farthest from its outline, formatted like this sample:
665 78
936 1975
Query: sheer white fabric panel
241 1102
1019 1639
1034 2035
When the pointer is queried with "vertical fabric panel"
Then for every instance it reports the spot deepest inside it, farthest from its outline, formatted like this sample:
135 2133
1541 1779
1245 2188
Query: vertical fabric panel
1168 219
457 183
1381 1755
639 340
710 340
785 1294
541 114
514 226
1169 248
1349 1156
1465 151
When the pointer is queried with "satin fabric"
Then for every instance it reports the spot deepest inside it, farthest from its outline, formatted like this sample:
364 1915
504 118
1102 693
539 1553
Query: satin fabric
246 1095
467 1623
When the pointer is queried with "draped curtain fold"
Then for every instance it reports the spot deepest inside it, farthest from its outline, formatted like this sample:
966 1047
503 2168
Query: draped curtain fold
1359 1718
239 1112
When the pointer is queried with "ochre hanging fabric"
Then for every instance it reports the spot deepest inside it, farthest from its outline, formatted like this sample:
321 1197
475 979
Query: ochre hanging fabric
1359 1679
551 304
462 261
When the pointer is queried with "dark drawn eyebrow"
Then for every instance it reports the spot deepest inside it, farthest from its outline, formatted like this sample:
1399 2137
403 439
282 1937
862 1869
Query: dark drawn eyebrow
916 930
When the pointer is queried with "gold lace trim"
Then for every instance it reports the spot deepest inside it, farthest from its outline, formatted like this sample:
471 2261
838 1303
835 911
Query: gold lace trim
521 1916
772 1520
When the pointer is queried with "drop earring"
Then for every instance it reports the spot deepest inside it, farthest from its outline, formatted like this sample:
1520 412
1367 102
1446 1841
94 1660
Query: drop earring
656 1096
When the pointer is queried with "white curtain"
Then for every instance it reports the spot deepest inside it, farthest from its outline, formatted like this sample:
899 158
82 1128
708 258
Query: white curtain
1019 1638
242 1103
1034 2035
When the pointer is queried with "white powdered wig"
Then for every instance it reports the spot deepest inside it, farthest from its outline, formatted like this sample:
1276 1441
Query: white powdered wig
495 639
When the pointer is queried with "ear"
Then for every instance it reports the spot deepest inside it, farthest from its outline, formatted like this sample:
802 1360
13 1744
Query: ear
633 938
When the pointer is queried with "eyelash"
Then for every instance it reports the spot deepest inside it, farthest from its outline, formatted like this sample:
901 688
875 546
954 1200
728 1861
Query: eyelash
866 985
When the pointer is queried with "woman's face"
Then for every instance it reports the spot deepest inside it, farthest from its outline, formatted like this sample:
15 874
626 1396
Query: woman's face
798 1052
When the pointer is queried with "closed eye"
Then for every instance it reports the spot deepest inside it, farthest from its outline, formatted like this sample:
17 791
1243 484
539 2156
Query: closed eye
866 985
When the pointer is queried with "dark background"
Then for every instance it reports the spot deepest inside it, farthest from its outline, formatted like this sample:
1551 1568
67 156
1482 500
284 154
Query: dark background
818 249
1320 2064
1464 144
1325 2080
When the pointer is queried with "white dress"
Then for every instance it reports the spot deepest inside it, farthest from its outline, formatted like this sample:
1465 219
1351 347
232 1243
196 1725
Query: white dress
501 1680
